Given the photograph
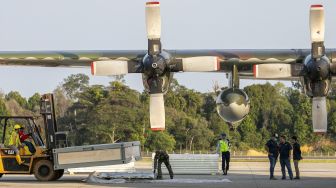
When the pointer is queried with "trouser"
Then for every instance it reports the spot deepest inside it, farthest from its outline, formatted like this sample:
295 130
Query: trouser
286 163
297 170
166 162
272 160
30 146
17 154
225 161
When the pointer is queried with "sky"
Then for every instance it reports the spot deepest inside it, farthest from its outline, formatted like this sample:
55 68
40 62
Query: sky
37 25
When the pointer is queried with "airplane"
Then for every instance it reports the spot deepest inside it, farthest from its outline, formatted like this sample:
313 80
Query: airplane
314 67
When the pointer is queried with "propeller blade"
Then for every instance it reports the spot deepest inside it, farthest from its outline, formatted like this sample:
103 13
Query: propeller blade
316 23
157 112
153 20
109 68
316 20
273 71
319 110
153 26
201 64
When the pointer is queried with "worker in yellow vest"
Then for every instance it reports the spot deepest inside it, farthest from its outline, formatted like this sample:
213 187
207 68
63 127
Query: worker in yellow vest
223 148
15 144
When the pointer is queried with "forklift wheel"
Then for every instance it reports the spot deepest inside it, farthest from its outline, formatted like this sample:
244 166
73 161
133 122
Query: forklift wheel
59 174
44 170
1 175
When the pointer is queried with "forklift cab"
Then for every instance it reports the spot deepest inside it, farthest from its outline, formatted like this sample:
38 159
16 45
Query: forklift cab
7 156
41 163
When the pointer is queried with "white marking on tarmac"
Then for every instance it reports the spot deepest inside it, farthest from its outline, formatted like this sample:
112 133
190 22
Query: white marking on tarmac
192 181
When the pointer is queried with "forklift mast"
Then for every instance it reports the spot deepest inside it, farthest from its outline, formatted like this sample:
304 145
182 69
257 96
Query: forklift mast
47 111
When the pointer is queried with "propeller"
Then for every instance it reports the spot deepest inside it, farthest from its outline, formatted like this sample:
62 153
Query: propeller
156 66
319 109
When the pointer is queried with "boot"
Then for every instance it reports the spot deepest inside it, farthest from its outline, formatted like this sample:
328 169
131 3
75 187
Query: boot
18 159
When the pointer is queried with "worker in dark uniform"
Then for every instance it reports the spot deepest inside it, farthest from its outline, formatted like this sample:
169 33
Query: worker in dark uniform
272 148
23 140
159 158
285 151
296 156
223 148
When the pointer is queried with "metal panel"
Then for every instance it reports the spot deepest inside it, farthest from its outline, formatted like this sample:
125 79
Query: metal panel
192 163
89 156
96 155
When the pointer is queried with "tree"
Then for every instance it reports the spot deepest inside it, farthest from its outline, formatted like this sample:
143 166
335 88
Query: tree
75 83
160 141
34 102
15 95
62 103
249 134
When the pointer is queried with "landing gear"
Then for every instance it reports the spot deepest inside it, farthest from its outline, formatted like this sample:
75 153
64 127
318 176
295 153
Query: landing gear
44 171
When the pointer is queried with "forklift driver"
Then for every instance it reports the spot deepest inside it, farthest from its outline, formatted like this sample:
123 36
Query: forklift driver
23 140
15 144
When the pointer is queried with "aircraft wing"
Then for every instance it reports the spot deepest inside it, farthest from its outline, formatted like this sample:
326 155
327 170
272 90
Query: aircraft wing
251 63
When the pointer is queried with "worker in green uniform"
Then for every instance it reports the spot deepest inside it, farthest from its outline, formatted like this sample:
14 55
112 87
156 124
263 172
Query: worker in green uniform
159 158
223 148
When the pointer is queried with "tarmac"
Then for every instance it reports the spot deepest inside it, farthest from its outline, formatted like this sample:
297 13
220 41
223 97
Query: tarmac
241 174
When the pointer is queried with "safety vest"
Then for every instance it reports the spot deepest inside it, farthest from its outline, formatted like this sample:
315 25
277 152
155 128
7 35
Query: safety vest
14 139
224 145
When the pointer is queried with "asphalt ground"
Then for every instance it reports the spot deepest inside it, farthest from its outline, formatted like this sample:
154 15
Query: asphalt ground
242 174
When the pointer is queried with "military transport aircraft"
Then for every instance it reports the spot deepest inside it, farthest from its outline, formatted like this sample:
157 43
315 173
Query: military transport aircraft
314 66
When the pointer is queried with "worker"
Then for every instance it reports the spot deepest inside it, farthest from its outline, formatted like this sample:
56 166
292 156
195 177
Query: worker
15 144
223 148
159 158
296 156
272 148
23 140
285 151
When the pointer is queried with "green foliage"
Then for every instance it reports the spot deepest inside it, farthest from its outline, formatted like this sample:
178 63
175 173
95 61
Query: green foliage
75 83
18 98
34 102
3 111
160 141
117 113
99 114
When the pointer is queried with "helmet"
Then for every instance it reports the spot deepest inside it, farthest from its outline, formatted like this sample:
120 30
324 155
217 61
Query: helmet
223 135
17 126
275 135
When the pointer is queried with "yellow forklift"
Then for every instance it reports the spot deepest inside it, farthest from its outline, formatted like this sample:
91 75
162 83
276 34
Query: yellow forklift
52 154
41 162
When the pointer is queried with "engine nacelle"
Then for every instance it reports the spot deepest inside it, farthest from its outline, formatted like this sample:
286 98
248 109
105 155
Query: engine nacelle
233 105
